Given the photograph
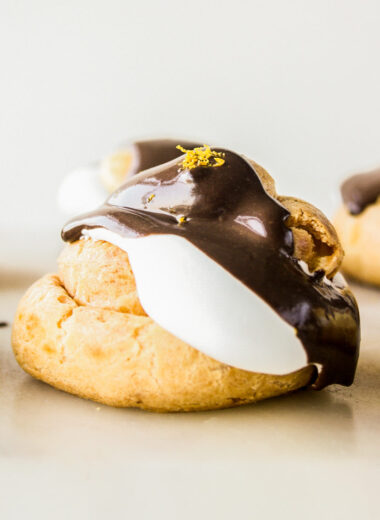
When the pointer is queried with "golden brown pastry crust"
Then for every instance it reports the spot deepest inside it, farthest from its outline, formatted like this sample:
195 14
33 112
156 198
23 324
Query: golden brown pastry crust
315 239
85 331
360 237
122 359
99 274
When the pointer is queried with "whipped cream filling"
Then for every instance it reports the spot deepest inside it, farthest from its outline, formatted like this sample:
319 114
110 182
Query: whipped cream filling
190 295
81 190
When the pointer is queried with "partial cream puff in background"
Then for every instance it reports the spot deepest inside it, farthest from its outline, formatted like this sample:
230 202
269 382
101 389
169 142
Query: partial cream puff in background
360 238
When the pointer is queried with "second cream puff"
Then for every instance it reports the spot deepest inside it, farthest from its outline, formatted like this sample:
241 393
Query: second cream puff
358 226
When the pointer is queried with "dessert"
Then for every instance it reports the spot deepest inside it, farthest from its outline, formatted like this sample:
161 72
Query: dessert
195 286
86 188
358 226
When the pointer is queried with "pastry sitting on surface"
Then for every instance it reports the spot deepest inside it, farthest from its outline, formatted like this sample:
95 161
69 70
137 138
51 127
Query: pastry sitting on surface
358 225
194 287
84 189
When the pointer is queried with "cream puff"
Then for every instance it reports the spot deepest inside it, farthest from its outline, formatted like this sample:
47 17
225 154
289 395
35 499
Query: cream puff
84 189
194 287
358 226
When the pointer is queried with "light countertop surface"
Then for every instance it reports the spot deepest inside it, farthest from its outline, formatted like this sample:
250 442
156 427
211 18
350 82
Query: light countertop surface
310 454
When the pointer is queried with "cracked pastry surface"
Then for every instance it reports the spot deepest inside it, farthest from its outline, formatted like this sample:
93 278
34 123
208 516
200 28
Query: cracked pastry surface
85 330
122 359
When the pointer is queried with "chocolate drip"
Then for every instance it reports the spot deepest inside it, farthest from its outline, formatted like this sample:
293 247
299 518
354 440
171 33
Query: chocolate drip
226 212
3 324
152 152
361 190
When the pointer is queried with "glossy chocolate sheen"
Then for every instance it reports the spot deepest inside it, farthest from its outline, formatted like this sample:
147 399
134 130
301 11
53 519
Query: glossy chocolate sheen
226 212
360 191
152 152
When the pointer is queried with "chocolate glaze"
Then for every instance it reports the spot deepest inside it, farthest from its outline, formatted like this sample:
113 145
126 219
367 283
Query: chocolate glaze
152 152
230 217
361 190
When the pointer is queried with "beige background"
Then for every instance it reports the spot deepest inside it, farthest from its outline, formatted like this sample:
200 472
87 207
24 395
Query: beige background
294 84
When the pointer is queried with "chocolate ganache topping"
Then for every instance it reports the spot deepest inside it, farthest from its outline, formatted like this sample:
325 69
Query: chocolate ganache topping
221 207
152 152
360 191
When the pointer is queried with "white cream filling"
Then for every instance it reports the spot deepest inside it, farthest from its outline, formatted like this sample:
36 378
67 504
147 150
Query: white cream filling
197 300
81 191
